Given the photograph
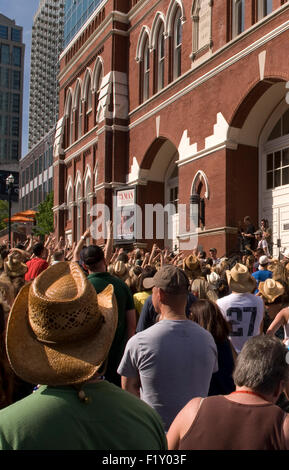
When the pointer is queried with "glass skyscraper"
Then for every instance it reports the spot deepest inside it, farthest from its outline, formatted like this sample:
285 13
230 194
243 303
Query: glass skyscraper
75 15
46 46
11 91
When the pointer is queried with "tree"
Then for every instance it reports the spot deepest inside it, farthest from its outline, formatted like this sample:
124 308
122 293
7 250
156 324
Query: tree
44 217
4 213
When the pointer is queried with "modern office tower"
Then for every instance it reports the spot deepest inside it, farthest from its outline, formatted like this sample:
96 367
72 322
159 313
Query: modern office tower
76 14
47 43
11 94
36 173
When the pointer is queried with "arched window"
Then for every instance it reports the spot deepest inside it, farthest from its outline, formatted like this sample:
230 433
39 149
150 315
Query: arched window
77 111
145 69
177 44
196 24
265 7
199 193
96 85
68 116
79 118
95 175
238 17
277 159
69 201
78 210
87 103
160 58
87 201
71 124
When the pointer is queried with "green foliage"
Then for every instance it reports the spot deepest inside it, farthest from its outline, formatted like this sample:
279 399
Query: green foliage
44 217
4 213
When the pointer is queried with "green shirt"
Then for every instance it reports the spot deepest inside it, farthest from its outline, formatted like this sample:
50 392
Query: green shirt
124 302
53 418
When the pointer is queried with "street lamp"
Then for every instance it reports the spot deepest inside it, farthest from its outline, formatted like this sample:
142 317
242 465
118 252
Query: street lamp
9 184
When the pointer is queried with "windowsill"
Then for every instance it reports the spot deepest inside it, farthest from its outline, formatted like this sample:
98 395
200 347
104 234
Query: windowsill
67 149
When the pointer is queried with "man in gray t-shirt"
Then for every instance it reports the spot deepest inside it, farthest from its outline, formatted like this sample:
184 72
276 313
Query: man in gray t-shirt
172 361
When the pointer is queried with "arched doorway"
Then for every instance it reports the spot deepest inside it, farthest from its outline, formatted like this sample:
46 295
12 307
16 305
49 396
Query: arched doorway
172 197
256 140
274 176
162 186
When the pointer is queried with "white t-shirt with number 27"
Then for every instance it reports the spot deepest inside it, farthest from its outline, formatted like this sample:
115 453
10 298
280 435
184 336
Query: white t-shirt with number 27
245 313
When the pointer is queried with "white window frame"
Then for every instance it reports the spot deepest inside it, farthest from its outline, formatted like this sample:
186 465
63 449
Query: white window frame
238 8
96 82
262 7
70 141
177 46
87 192
69 202
78 209
146 70
161 58
79 124
89 97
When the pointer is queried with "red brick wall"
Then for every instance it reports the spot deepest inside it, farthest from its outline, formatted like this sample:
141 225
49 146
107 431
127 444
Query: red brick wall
242 184
232 91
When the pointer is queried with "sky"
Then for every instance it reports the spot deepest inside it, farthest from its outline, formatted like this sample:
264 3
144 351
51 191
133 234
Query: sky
23 11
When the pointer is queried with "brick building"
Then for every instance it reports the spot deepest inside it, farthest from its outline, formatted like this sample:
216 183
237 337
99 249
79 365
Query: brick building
180 102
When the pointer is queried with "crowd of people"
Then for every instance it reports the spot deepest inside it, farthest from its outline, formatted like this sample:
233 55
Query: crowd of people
103 348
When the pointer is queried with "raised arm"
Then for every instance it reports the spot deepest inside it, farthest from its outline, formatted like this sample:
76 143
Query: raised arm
154 249
80 245
108 249
29 247
280 320
25 255
145 259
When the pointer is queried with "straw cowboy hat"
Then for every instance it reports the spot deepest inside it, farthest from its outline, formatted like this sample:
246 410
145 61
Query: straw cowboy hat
14 267
6 291
191 263
271 289
240 280
213 278
120 270
59 330
286 253
203 290
192 266
273 264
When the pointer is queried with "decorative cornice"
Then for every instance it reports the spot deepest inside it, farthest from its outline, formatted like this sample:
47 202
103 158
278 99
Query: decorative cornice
203 153
100 186
81 150
209 232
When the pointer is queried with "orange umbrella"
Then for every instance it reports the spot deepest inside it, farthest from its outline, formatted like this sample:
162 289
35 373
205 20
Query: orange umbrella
27 213
18 218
